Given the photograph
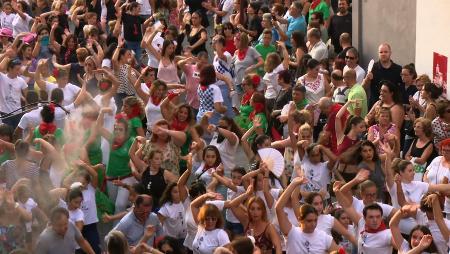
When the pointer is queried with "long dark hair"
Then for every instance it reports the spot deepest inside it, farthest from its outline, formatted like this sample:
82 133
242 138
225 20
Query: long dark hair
352 120
167 195
216 151
396 95
207 75
371 145
166 44
234 128
426 231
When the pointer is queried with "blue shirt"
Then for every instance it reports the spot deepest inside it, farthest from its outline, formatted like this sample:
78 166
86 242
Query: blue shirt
134 230
295 24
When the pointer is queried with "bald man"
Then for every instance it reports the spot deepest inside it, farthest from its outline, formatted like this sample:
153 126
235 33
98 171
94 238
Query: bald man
383 69
330 109
357 93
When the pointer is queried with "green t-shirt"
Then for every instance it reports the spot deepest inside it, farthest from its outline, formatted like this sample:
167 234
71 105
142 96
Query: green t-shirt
94 150
184 149
133 124
357 92
264 51
59 136
118 163
323 8
6 155
242 119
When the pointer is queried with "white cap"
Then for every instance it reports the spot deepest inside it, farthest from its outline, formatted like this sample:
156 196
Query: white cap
76 185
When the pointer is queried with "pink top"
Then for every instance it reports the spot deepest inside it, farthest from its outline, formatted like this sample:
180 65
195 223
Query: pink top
168 73
380 136
192 81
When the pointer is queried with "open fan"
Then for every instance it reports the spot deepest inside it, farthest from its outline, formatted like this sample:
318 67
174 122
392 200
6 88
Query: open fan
274 160
371 63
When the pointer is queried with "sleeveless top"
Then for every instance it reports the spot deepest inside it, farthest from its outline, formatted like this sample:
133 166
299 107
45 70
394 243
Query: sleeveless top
315 89
154 184
261 241
417 152
153 113
168 73
206 98
125 85
346 144
194 38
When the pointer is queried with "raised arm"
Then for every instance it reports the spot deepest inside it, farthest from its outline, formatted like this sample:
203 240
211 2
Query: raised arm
182 189
99 124
37 75
437 214
140 164
346 190
92 172
137 86
397 237
53 42
338 122
285 225
198 202
340 229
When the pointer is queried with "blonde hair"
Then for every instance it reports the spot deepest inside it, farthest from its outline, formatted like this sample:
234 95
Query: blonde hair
424 79
76 4
272 61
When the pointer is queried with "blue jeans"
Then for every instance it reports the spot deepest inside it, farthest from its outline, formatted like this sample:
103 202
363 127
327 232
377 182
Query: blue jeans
136 47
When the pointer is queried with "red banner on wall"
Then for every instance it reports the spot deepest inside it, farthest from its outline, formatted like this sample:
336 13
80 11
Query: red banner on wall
440 71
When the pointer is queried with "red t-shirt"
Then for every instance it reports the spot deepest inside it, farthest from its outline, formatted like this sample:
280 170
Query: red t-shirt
331 125
230 47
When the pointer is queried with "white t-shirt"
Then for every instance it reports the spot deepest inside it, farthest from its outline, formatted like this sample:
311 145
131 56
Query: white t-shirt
157 44
21 25
229 215
228 8
358 205
438 239
191 226
317 242
206 242
373 243
325 222
70 92
436 173
174 225
88 205
6 20
217 94
319 51
10 92
270 80
318 175
360 73
227 151
76 215
146 8
28 206
32 118
413 192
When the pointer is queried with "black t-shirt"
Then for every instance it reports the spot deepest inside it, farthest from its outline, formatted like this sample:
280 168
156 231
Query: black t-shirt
132 27
66 57
97 9
338 26
196 5
154 185
406 92
380 73
75 68
255 25
283 98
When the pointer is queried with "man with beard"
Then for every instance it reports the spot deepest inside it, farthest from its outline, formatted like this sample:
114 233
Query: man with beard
339 24
384 69
226 137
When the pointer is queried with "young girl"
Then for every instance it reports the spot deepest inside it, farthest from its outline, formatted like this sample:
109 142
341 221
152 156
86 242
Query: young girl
211 160
133 108
172 213
74 199
249 84
235 189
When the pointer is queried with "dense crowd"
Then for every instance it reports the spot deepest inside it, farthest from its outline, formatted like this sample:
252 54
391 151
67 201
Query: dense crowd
214 126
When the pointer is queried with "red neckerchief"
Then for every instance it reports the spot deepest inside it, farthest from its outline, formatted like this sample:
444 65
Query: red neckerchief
374 231
148 84
156 100
135 112
257 108
47 128
117 143
315 3
246 98
178 125
203 87
242 53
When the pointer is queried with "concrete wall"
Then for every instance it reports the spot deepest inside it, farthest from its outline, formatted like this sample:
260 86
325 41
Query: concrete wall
432 34
391 21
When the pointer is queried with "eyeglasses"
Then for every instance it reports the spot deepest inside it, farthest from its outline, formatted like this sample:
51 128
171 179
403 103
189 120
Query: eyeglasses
350 57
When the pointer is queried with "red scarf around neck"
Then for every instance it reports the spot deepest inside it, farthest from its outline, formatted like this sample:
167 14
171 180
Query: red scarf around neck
47 128
246 98
314 4
242 53
135 112
178 125
374 231
117 143
257 108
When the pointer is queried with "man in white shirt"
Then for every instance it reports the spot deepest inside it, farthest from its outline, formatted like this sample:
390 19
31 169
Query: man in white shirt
12 90
30 119
70 91
222 12
316 47
351 61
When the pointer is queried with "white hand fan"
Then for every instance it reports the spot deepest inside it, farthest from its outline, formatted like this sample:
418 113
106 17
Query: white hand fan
370 66
274 160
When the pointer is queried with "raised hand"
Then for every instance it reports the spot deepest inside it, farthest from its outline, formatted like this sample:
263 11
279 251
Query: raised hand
426 241
362 175
299 180
337 186
149 231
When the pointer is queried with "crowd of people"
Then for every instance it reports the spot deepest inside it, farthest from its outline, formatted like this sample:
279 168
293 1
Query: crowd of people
138 126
